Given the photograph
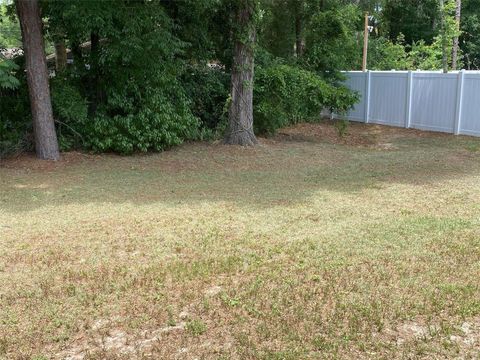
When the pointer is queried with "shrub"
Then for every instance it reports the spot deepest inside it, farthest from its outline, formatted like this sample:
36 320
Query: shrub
341 126
15 120
7 74
383 54
69 111
159 120
208 88
285 95
196 327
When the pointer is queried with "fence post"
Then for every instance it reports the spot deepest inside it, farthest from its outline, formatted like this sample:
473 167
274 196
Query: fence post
367 96
458 111
408 117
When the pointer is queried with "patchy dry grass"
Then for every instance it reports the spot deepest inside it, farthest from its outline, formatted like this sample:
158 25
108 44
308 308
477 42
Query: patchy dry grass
305 247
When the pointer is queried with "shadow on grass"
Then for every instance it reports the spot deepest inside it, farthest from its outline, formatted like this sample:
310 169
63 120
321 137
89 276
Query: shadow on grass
279 173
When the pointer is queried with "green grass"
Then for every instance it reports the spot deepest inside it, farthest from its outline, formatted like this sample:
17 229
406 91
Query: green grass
301 248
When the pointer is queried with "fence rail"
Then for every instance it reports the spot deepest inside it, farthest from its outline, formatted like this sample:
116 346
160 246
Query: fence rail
418 99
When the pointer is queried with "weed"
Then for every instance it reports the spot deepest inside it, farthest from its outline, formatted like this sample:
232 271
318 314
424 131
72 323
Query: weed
196 327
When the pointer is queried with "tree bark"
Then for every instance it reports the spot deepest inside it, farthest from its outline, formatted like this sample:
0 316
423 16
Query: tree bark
458 11
444 38
240 115
60 55
46 144
299 41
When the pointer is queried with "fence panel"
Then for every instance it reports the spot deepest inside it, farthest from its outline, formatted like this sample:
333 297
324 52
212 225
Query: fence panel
470 114
357 81
434 99
388 98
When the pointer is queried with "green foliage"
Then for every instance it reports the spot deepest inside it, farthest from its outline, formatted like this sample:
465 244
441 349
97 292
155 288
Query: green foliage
130 79
208 89
421 54
341 126
68 104
285 94
15 119
7 74
197 22
277 31
10 36
415 19
383 54
196 327
429 56
70 112
426 57
156 123
469 39
331 41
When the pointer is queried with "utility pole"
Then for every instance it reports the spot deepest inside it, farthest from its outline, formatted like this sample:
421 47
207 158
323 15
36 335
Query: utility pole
365 43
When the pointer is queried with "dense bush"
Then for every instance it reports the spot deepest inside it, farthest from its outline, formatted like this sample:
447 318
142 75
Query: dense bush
383 54
70 112
333 42
285 94
7 74
15 122
126 93
208 89
156 123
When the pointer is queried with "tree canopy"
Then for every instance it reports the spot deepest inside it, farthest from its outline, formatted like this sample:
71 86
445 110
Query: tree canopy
137 75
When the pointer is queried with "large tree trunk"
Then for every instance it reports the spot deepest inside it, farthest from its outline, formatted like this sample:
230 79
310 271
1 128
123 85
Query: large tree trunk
240 116
46 144
458 11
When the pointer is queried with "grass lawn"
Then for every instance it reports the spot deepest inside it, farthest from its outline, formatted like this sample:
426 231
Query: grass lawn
306 247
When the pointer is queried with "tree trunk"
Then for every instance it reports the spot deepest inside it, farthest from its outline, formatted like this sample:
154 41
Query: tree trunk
299 40
240 116
60 55
46 144
444 37
458 11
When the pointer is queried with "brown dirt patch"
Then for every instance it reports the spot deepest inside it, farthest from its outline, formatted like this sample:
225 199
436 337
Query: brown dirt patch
358 134
30 162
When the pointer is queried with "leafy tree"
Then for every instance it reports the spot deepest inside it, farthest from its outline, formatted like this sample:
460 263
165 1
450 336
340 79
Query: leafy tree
469 40
384 54
130 75
10 35
331 40
286 94
8 79
415 19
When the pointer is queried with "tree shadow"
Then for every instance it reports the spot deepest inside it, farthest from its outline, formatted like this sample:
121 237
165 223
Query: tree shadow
280 172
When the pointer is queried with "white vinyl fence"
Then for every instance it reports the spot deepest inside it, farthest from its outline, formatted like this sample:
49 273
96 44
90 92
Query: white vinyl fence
418 99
